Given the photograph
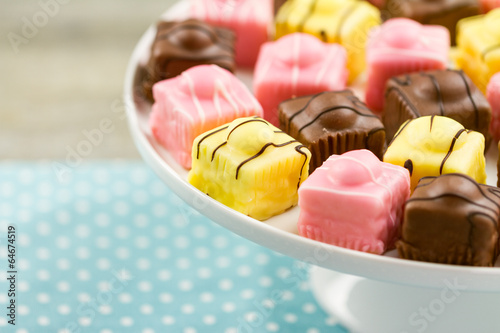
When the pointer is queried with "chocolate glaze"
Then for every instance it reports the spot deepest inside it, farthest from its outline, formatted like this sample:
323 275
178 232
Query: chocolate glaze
451 219
446 13
179 46
445 92
332 123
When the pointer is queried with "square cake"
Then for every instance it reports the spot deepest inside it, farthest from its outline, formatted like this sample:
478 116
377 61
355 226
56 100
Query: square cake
182 45
346 22
249 19
296 65
332 123
451 219
437 145
448 93
250 166
402 46
201 98
354 201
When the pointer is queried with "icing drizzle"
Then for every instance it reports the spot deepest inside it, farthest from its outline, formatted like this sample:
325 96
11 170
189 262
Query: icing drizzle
453 141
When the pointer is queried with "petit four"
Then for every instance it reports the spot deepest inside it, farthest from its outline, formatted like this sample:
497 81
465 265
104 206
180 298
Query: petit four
250 166
451 219
182 45
332 123
448 93
296 65
201 98
493 95
354 201
487 5
402 46
346 22
249 19
436 145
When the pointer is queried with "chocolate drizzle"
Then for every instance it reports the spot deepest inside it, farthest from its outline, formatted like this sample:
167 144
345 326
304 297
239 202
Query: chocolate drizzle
432 122
207 136
467 87
453 141
409 165
308 15
246 122
343 19
399 131
438 92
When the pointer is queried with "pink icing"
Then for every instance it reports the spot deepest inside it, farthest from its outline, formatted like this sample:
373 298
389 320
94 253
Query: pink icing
487 5
297 64
402 46
200 99
493 95
354 200
249 19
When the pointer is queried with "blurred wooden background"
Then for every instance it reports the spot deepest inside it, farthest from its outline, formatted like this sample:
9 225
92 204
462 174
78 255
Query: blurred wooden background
62 66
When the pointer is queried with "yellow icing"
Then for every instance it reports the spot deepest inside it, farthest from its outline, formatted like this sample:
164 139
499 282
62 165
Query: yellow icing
259 186
445 147
346 22
478 41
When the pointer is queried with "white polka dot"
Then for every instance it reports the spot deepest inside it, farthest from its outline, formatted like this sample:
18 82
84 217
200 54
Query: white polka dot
106 331
23 286
209 320
141 221
160 210
121 188
244 271
82 207
3 299
287 295
145 286
200 231
64 309
102 220
158 189
125 298
44 205
101 176
202 253
220 242
63 242
83 275
313 330
331 321
83 188
228 307
146 309
25 199
189 330
222 262
309 308
22 330
160 232
164 275
121 208
103 286
82 253
226 284
24 310
24 216
231 330
24 240
283 272
63 286
241 251
181 242
204 273
183 219
304 286
148 330
265 281
126 321
262 259
103 264
140 197
102 196
82 231
62 217
290 318
105 309
272 327
43 253
141 242
122 253
85 321
187 309
122 232
43 321
103 242
83 297
3 322
252 317
183 263
43 229
43 275
185 285
247 294
63 264
168 320
143 264
207 297
166 298
162 253
43 298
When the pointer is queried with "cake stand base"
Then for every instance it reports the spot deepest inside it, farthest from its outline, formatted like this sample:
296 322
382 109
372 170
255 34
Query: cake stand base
368 306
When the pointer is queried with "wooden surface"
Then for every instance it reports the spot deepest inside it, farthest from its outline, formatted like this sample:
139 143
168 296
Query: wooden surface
62 79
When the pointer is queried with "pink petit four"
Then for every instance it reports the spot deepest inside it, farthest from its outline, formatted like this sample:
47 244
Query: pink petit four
354 201
200 99
402 46
487 5
493 95
249 19
297 64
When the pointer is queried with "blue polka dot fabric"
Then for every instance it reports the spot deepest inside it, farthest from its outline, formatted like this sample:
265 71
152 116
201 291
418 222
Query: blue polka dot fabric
110 249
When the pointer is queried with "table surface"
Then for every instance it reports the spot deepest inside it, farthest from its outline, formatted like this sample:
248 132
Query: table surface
107 247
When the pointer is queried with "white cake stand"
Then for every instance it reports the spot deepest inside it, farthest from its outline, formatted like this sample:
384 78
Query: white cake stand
368 293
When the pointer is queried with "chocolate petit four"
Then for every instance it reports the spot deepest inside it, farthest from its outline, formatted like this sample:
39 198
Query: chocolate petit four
182 45
439 12
332 123
448 93
451 219
250 166
201 98
436 145
354 201
346 22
